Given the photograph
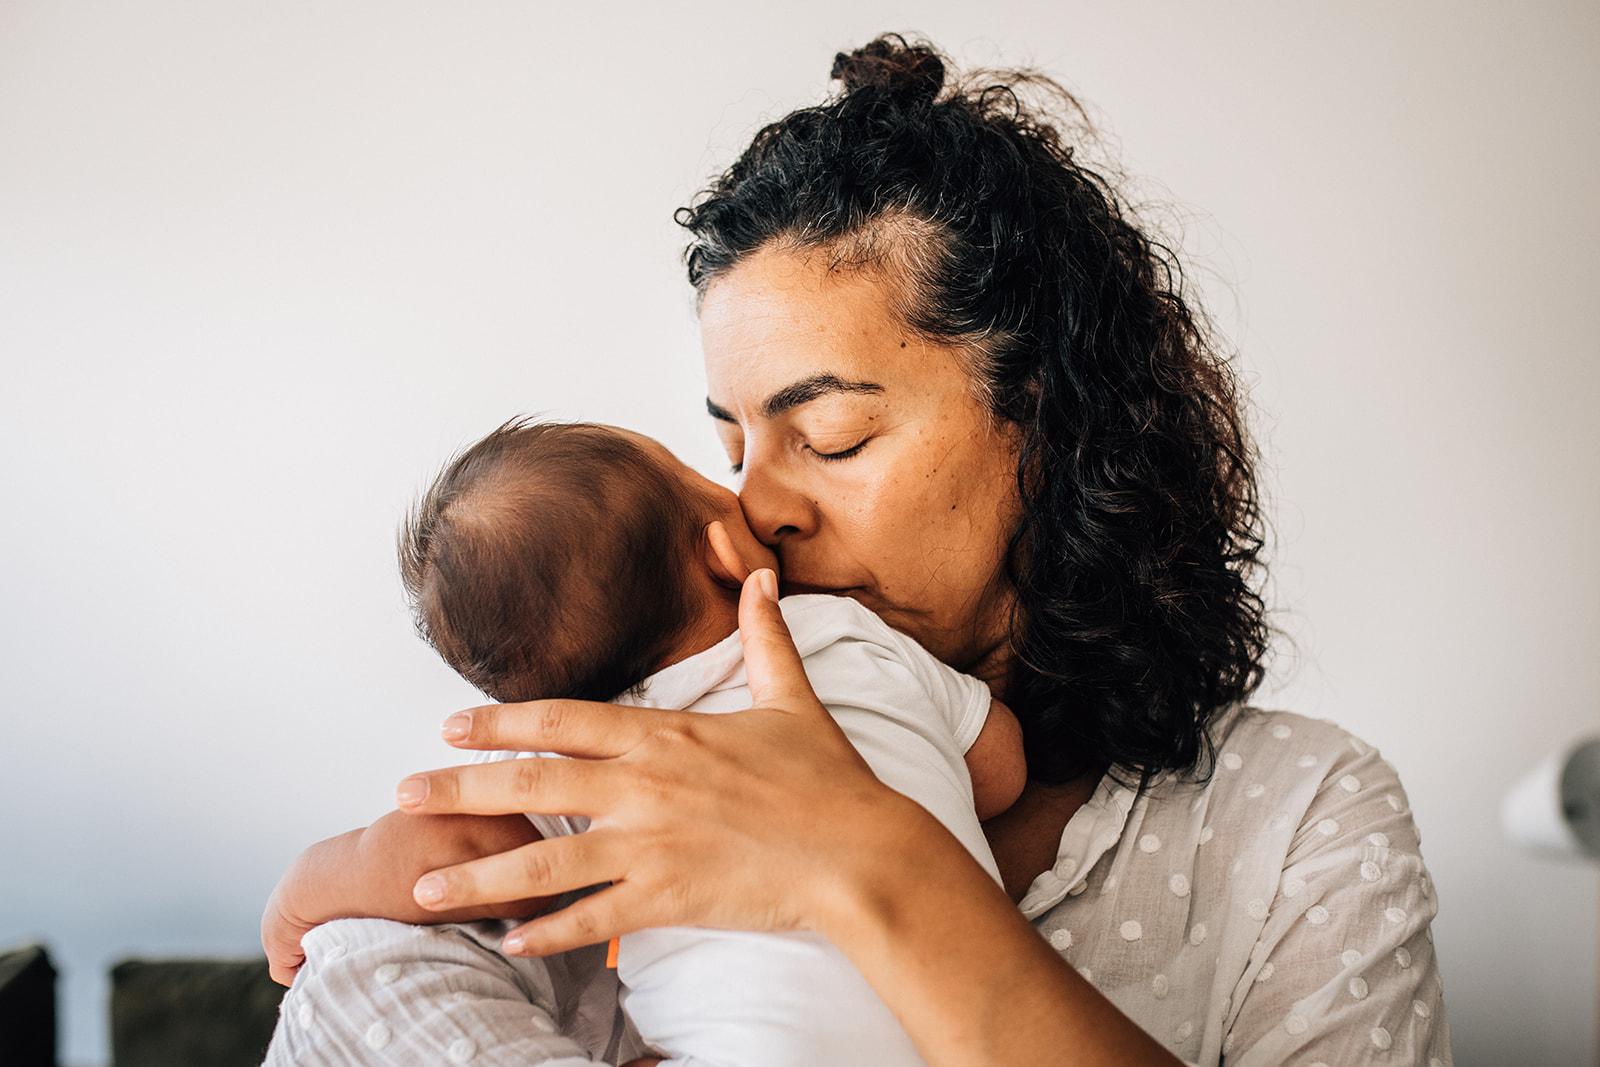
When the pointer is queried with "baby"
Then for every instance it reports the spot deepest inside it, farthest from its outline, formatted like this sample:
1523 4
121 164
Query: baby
583 561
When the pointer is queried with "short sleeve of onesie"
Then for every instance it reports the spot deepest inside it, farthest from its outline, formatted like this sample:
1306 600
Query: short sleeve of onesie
863 658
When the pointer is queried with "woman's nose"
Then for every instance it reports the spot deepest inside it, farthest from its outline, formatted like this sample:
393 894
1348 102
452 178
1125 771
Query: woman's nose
775 510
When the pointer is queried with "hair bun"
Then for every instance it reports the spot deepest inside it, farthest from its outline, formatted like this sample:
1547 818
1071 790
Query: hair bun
891 66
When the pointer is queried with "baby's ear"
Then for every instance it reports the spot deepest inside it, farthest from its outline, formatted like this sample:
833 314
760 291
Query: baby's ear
722 558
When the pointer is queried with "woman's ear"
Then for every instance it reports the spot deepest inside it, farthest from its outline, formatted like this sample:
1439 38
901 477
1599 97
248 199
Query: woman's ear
722 558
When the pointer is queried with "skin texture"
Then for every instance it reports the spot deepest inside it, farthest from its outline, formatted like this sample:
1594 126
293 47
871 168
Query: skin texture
870 467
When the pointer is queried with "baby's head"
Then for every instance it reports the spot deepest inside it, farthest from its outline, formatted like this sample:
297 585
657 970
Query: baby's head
572 560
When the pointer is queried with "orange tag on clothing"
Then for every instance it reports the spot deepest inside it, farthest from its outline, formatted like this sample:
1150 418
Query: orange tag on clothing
611 952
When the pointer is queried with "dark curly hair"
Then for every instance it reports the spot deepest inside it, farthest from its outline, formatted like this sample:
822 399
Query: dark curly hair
1138 557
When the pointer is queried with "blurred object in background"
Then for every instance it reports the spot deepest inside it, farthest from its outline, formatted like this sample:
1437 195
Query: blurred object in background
194 1013
27 1008
1554 809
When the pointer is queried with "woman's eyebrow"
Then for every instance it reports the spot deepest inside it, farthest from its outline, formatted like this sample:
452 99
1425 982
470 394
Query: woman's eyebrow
797 393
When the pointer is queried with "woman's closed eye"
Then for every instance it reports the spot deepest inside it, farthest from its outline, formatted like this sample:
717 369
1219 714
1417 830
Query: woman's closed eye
844 453
737 466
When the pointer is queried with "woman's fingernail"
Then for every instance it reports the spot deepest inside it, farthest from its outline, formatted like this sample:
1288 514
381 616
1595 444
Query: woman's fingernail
769 585
411 792
513 944
429 890
457 726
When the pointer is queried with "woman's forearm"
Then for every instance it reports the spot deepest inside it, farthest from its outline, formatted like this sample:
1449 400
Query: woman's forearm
970 980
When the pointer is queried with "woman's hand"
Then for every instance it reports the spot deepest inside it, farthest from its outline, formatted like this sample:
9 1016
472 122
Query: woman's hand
766 819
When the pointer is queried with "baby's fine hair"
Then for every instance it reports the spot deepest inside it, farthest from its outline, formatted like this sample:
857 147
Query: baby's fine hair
552 560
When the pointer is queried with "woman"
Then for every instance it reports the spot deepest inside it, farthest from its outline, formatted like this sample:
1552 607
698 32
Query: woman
962 388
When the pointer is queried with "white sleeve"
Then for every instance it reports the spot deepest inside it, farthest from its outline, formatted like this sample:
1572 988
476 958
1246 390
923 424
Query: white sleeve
960 699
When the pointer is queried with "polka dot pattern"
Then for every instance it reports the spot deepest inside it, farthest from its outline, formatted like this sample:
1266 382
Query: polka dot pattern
1281 732
462 1049
1350 784
1316 915
1402 958
1349 957
1328 827
1149 844
1370 872
1306 762
1179 885
1255 791
1381 1039
1197 936
1131 930
1296 1024
387 974
1266 972
1256 909
1061 940
1358 988
378 1036
1232 761
1159 986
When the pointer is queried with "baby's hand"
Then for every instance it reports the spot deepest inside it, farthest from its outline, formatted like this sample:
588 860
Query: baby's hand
280 936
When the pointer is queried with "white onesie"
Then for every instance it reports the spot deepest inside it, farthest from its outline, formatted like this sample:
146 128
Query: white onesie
732 999
708 998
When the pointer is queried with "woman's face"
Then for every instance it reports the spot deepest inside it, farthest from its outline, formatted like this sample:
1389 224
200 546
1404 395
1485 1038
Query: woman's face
866 460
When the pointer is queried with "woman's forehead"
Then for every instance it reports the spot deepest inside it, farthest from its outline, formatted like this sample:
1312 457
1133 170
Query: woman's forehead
782 329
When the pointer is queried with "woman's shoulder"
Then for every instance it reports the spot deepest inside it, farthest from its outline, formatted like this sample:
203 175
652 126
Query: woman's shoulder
1275 905
1274 736
1311 771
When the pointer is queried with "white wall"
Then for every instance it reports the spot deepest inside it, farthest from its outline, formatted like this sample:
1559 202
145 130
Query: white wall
263 266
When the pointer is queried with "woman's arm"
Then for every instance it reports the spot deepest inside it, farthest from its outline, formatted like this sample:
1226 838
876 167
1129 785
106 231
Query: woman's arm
769 820
369 873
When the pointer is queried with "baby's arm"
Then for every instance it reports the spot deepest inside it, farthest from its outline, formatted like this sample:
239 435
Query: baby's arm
995 762
370 872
